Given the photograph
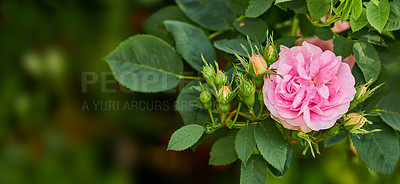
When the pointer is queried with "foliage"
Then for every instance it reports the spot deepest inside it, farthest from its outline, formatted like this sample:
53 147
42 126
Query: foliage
241 30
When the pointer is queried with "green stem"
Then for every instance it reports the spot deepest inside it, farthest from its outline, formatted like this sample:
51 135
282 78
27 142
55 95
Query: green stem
188 77
213 35
237 113
242 124
295 25
334 33
211 116
251 109
261 109
223 118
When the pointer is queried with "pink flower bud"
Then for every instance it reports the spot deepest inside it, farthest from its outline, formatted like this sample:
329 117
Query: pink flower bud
354 120
340 27
226 91
259 64
363 91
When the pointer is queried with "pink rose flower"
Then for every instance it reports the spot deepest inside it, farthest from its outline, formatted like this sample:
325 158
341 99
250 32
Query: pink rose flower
328 45
314 88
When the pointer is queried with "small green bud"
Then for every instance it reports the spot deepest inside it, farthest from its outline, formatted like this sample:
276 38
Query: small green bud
246 91
362 93
209 73
205 98
220 78
270 54
249 101
224 107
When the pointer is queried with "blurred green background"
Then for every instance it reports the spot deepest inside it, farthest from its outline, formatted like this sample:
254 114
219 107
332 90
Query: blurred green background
63 118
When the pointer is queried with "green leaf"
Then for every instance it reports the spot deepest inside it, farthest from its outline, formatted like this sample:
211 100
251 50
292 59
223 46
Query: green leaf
234 45
357 9
257 7
341 7
393 22
191 43
287 41
335 139
145 63
390 110
254 172
185 137
154 24
238 6
342 46
211 14
318 8
245 143
271 144
378 15
358 75
281 1
361 22
223 151
346 10
369 36
254 28
324 33
278 173
367 59
299 6
184 105
378 150
307 29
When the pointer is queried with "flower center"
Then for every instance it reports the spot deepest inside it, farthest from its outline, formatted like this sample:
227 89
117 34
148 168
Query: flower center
314 80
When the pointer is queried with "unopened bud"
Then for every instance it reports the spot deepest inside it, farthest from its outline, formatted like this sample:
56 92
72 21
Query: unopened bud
224 107
271 54
354 121
247 91
220 78
362 92
209 73
224 94
205 98
259 65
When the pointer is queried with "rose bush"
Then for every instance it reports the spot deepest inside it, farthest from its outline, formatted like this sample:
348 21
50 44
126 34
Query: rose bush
312 90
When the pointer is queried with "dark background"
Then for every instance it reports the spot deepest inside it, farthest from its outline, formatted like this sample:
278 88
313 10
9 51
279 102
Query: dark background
64 120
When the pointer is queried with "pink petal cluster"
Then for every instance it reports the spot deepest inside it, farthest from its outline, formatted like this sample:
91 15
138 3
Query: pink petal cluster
328 45
314 88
